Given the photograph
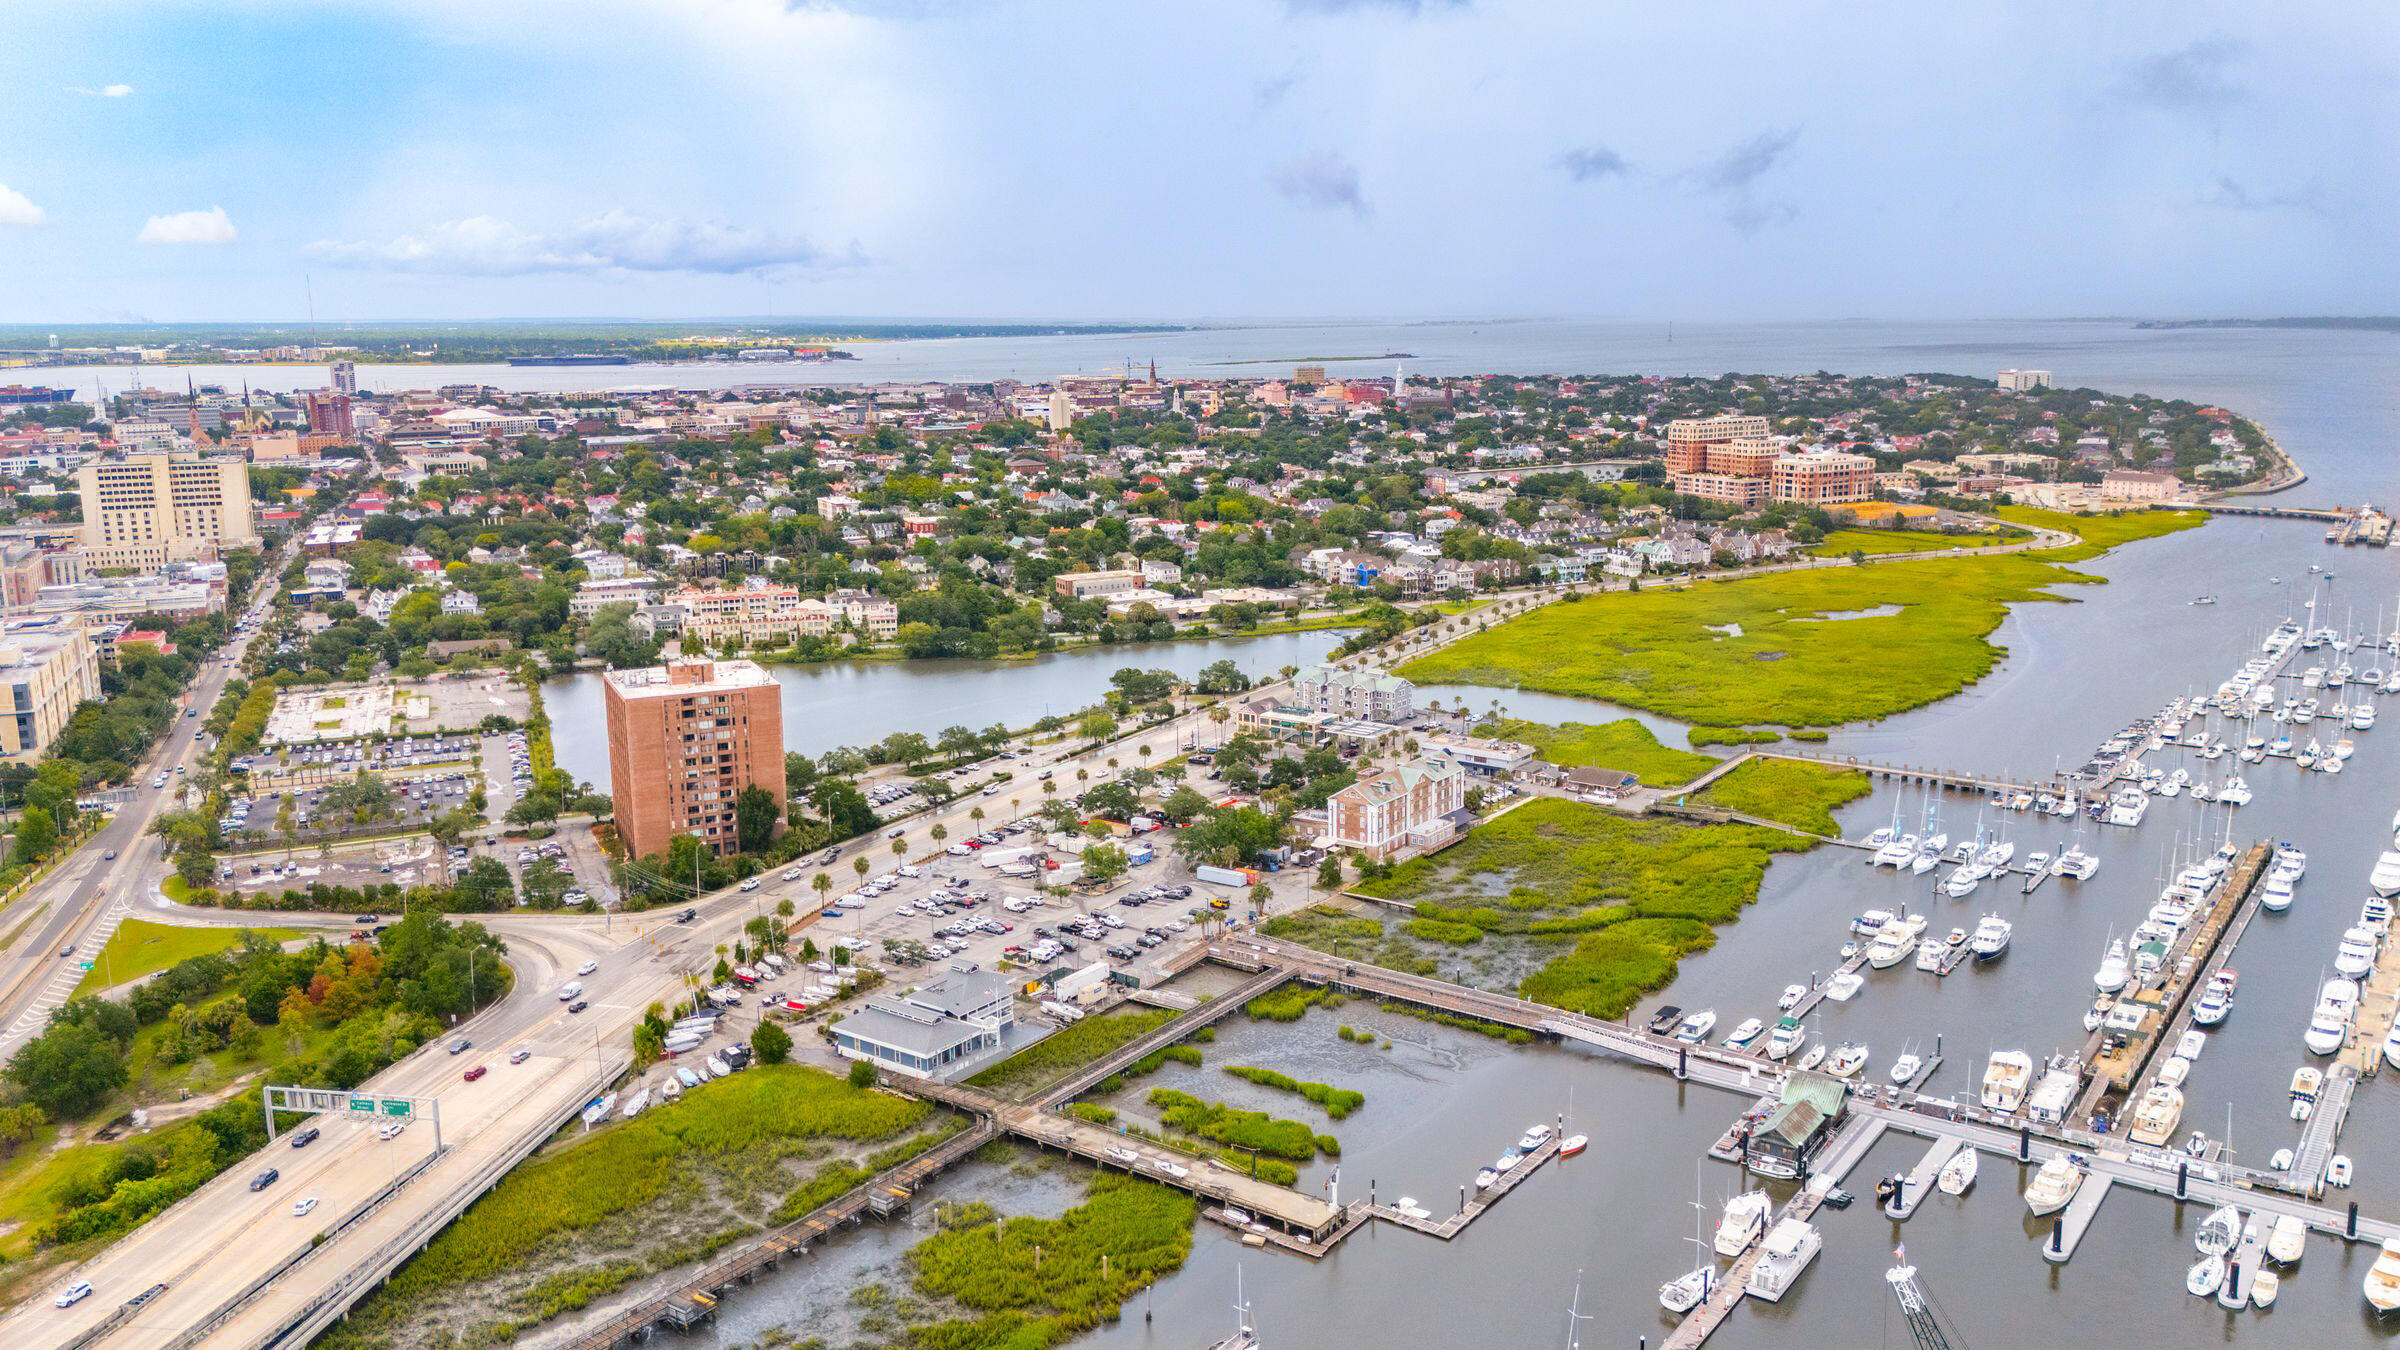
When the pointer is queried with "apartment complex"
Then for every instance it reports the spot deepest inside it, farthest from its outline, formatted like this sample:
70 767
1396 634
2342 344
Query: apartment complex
47 668
1822 477
2024 381
1398 808
684 739
1085 585
145 511
1692 440
1369 694
752 614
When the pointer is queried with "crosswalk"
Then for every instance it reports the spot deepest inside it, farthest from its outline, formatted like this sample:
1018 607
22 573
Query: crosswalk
63 980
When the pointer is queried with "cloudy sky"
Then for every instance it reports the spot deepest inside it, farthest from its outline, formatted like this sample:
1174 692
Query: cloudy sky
1406 158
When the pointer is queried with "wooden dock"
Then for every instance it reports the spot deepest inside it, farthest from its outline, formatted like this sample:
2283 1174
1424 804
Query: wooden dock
2070 1224
1477 1201
2323 1132
2378 1002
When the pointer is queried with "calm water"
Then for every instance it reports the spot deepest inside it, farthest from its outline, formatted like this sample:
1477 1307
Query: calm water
861 702
1620 1217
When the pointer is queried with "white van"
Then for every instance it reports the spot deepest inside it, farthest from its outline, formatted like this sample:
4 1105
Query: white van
569 992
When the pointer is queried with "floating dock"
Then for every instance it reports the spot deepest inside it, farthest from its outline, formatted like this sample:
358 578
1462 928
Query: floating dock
1920 1181
2069 1225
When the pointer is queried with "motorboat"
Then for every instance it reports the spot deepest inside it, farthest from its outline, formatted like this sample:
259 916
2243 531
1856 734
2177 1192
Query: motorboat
1785 1038
1695 1026
1790 1246
2275 896
1685 1292
2051 1097
1906 1067
2307 1083
2076 865
2264 1286
2190 1044
2383 1279
1847 1060
2214 1003
2053 1186
2391 1046
2216 1234
2328 1026
635 1104
2174 1071
2291 860
2385 877
1814 1057
2098 1012
2206 1274
1958 1174
2113 971
1896 943
2376 915
670 1090
2287 1238
1743 1035
1867 925
1745 1220
2157 1114
1935 956
2281 1161
1484 1179
1792 994
2128 807
1507 1161
2337 1171
1990 942
1573 1144
2355 956
1533 1139
1963 879
1666 1019
2005 1077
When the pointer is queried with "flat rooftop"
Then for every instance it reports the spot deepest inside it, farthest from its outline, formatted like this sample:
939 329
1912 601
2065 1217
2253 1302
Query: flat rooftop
677 678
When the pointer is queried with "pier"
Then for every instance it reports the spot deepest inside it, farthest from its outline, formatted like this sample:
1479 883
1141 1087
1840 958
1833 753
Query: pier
2070 1224
2321 1137
1919 1181
1476 1201
1954 780
2378 1004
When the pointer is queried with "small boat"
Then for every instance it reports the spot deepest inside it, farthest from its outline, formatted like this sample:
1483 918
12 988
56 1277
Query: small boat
1867 925
1239 1218
1992 934
2206 1274
2337 1172
1847 1060
2287 1239
2391 1046
1744 1034
1408 1207
1573 1144
1533 1139
2157 1114
1696 1026
1485 1178
1506 1161
1845 986
2264 1286
2190 1044
2385 877
2174 1071
2217 1232
2306 1084
1958 1174
1814 1057
1665 1020
1123 1157
1792 994
2004 1080
2053 1186
1685 1292
2383 1278
2113 970
635 1104
1744 1222
2276 896
1786 1037
671 1090
1905 1068
2281 1162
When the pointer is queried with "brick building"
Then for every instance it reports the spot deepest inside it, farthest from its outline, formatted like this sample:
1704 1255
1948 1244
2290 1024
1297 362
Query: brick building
1410 805
684 739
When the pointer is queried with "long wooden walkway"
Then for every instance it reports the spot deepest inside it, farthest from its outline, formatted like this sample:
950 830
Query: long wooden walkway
1477 1202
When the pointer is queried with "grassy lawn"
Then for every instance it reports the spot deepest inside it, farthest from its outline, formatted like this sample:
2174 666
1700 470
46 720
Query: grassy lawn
141 947
1068 1049
1623 744
1800 795
1843 543
1607 903
2101 532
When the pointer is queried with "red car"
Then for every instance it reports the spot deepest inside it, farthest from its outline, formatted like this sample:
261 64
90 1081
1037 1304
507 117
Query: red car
974 843
475 1073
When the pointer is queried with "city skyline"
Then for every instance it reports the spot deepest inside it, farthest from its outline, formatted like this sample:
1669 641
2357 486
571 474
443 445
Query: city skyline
234 162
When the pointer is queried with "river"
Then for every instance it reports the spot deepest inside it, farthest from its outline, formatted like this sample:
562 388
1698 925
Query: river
857 703
1620 1219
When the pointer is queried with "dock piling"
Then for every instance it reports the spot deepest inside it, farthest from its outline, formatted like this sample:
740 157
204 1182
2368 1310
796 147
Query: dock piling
2350 1223
1683 1063
2183 1180
2058 1236
2024 1143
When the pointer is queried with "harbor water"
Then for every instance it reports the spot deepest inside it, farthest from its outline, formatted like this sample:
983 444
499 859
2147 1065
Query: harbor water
1442 1103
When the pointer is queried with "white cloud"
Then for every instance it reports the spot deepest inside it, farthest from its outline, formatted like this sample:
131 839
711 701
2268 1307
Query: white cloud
104 91
211 226
15 209
613 241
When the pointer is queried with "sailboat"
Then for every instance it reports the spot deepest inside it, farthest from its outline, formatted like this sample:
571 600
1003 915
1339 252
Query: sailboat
1243 1337
1685 1291
1958 1174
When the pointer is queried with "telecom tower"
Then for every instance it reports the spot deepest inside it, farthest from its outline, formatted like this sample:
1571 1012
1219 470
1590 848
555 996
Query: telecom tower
1923 1328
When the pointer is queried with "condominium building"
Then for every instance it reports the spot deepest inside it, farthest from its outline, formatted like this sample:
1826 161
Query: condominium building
47 668
1822 477
684 740
752 614
2024 381
145 511
1689 439
1412 805
1369 694
1085 585
1723 487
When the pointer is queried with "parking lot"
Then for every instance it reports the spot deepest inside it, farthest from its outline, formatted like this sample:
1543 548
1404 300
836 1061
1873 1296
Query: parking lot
254 822
401 707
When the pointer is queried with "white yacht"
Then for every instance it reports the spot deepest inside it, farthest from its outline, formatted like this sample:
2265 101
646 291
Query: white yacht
1870 923
2276 896
2113 971
1897 853
1958 1174
1991 937
2053 1186
1844 985
1745 1220
2214 1003
2050 1099
2128 807
2157 1114
1533 1139
1745 1033
1792 994
2391 1046
1791 1245
2386 876
2287 1239
1847 1060
2382 1284
2004 1080
1896 943
1695 1027
2329 1025
2077 864
2356 954
1785 1038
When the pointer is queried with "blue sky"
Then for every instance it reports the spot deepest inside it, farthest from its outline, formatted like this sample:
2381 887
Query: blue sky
1410 158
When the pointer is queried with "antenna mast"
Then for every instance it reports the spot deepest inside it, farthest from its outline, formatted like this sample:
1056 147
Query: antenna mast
1923 1328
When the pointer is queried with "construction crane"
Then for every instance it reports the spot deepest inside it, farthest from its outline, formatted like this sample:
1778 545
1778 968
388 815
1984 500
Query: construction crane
1923 1327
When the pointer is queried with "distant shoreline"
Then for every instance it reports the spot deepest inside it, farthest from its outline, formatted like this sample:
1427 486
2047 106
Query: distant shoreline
2359 324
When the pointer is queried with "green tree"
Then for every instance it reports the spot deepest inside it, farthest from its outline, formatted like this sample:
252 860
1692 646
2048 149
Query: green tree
68 1069
822 883
771 1043
37 834
754 817
862 1074
1329 873
1104 862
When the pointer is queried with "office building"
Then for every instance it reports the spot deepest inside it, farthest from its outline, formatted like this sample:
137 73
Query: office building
684 739
345 378
1087 585
145 511
329 413
48 667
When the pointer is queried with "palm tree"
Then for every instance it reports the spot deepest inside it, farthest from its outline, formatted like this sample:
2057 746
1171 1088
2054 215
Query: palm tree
824 887
1013 812
859 865
1144 752
900 849
1083 775
939 834
1112 763
975 813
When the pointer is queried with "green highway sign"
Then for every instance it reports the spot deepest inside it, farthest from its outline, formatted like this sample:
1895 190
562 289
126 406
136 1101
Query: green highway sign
392 1107
364 1105
83 965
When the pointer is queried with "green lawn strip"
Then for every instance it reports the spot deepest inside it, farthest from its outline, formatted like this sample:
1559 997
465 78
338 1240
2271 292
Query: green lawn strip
1799 795
1338 1102
1630 894
1512 1035
1068 1049
768 1113
1843 543
1030 1283
2100 533
1149 1064
1623 744
140 947
1767 650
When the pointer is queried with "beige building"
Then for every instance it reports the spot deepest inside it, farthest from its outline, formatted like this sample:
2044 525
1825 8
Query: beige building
145 511
2024 381
1085 585
2140 485
1823 477
47 668
752 613
1690 439
1399 808
684 739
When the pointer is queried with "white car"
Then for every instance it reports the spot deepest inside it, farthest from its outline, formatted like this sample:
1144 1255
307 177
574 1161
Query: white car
303 1208
391 1131
74 1293
587 968
567 992
749 883
791 874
